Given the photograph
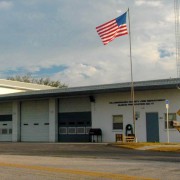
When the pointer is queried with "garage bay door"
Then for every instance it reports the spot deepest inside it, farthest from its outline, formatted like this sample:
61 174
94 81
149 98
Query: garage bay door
6 122
74 119
35 121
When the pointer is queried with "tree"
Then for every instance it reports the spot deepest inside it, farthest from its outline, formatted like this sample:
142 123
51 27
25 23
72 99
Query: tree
43 81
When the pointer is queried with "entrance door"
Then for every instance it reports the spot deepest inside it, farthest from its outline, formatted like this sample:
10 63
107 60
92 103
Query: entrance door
152 127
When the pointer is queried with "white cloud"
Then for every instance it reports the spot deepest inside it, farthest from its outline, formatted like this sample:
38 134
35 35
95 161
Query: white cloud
170 17
154 3
78 74
6 5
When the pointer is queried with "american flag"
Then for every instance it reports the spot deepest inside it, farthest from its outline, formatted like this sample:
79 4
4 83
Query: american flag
112 29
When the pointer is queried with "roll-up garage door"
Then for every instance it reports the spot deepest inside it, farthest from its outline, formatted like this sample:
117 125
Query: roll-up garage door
35 121
74 119
6 122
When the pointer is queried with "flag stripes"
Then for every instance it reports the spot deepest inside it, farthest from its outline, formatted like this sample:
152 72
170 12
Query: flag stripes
110 30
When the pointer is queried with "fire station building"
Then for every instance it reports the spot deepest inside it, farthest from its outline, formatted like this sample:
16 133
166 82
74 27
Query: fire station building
68 114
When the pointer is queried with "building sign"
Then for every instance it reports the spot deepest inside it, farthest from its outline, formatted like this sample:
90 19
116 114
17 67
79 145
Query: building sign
137 102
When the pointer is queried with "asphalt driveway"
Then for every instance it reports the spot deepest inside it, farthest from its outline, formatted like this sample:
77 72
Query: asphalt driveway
101 150
84 161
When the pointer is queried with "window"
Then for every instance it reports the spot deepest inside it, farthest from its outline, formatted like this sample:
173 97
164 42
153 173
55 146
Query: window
80 130
4 131
10 131
71 130
7 117
171 118
117 122
62 130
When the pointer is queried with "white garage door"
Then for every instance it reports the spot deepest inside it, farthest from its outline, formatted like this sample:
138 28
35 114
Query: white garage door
6 122
35 121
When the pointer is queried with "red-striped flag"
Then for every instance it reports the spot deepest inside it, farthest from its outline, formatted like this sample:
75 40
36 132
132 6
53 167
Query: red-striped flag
112 29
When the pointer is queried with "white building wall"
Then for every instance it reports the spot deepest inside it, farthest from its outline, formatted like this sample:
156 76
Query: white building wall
16 121
102 112
53 120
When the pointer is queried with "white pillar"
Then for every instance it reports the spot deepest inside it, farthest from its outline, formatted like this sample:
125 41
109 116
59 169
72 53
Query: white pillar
16 121
53 120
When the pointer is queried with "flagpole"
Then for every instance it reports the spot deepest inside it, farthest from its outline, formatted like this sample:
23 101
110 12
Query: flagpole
132 83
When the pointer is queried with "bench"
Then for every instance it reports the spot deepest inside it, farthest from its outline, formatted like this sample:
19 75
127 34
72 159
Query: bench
122 138
130 138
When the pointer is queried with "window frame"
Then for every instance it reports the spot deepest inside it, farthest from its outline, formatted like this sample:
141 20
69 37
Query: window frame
116 123
170 121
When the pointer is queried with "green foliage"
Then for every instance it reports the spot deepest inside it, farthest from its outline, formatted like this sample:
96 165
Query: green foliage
43 81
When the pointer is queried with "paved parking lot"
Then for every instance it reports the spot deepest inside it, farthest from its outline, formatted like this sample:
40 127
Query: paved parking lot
84 161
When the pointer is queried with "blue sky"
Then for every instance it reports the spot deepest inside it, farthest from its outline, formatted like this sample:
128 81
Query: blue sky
57 39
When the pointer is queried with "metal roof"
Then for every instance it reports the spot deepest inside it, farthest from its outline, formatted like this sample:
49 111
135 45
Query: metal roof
22 85
96 89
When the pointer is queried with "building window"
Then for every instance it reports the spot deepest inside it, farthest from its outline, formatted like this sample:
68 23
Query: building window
4 131
171 118
10 131
62 130
80 130
71 130
117 122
